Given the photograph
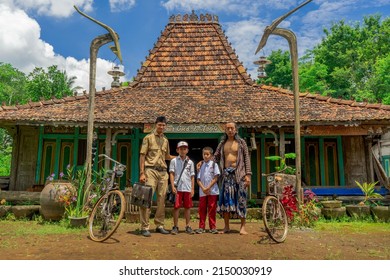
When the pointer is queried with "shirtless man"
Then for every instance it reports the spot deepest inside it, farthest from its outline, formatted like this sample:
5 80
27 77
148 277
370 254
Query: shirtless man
233 156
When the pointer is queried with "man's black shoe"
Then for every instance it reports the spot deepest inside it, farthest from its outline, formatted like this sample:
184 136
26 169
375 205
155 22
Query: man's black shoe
162 230
145 233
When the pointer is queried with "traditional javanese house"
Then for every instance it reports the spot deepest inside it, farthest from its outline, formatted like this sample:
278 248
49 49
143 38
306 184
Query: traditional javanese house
193 77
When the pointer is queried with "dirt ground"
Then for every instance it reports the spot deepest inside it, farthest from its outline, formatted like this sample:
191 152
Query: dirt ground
128 244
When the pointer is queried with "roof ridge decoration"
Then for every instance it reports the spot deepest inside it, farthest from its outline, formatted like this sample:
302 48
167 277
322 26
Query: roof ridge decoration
193 18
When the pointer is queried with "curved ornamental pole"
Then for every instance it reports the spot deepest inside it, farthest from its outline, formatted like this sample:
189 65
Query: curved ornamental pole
94 48
292 41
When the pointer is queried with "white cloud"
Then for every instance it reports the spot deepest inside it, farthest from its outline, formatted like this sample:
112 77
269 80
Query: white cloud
245 37
237 7
21 46
121 5
314 22
80 69
56 8
326 12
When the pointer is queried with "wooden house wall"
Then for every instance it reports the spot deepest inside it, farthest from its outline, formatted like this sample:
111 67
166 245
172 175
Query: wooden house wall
355 159
24 158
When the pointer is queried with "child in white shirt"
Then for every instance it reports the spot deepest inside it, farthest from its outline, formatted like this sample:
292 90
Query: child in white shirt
208 191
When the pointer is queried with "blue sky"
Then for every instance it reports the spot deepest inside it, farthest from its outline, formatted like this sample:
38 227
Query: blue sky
40 33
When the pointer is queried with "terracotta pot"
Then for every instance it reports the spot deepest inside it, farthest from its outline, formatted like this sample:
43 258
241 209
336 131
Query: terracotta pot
381 213
51 208
78 221
333 213
331 203
358 211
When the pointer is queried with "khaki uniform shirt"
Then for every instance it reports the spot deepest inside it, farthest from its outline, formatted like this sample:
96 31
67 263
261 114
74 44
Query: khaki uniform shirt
156 150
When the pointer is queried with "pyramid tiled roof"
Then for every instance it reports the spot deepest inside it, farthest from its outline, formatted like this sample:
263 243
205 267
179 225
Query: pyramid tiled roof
192 52
192 75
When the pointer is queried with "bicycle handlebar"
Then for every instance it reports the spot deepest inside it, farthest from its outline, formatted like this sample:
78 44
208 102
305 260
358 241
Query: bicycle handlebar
272 173
113 160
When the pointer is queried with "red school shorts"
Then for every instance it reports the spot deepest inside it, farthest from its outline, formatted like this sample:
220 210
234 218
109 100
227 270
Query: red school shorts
183 199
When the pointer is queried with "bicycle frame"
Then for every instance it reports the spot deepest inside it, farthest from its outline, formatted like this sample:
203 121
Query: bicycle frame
274 215
117 171
105 218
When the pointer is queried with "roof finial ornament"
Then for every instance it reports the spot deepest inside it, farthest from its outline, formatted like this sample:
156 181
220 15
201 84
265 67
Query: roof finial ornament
193 17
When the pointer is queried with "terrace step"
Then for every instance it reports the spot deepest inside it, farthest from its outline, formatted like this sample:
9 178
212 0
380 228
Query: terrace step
20 211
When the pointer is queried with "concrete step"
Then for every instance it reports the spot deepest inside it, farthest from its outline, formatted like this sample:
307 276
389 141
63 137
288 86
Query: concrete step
20 211
20 197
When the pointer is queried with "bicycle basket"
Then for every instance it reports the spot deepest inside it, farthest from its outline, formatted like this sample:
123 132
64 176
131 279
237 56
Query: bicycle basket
274 185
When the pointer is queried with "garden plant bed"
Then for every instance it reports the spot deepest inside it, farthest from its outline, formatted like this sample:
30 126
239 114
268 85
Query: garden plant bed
29 240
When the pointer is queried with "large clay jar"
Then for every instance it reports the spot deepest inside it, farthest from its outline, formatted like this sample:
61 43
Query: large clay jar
51 208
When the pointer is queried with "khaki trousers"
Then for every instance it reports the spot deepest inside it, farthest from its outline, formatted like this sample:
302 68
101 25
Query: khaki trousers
158 180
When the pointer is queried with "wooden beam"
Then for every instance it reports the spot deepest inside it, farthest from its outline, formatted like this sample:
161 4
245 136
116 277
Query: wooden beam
342 130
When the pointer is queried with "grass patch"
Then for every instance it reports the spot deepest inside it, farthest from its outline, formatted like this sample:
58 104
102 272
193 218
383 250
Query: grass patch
352 226
26 227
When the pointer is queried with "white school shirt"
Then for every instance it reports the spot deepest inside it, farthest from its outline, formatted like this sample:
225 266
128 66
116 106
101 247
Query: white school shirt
176 165
206 174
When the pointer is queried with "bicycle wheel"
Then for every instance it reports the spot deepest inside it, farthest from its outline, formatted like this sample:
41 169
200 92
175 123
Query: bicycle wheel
275 219
106 215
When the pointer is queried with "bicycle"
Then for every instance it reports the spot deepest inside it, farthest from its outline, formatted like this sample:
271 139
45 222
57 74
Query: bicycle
274 215
109 210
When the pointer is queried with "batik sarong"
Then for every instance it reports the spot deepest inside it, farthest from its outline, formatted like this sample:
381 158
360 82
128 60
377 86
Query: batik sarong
233 195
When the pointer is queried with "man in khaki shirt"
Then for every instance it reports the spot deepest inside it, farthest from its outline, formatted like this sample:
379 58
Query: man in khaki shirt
153 171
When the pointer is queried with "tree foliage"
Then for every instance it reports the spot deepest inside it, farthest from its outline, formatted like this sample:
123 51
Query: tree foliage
355 56
48 84
5 152
12 84
351 62
16 87
279 71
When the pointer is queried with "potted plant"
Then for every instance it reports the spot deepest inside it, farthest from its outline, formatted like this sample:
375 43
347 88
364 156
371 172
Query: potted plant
83 198
380 212
76 198
331 203
332 209
78 216
283 167
362 209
